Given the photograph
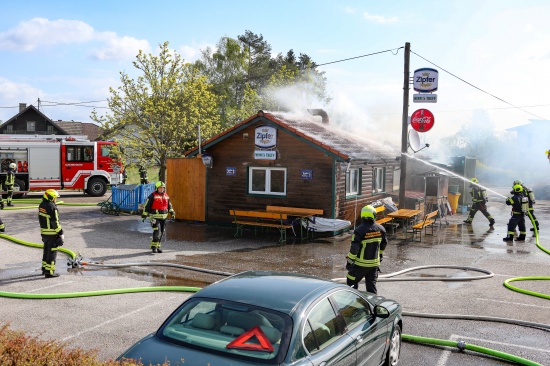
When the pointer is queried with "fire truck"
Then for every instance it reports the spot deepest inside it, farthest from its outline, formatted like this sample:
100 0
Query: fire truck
60 162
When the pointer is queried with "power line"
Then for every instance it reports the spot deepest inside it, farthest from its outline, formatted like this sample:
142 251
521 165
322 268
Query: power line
473 86
353 58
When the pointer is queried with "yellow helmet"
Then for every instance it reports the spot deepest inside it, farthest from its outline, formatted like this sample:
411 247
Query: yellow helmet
368 212
51 194
518 188
474 180
159 184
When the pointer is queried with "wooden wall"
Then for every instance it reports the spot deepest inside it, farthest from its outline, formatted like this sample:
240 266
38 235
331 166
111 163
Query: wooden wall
185 184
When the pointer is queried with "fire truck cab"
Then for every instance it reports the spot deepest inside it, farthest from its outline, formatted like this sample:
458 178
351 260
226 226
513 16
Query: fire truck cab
60 162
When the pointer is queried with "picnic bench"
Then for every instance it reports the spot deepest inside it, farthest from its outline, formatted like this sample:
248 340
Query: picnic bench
276 220
383 219
427 222
301 214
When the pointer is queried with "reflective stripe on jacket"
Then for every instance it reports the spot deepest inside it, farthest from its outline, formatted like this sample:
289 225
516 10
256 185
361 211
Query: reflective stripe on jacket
367 243
10 178
157 205
48 217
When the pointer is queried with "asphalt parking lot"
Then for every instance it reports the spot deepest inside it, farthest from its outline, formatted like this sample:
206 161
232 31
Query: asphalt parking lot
109 324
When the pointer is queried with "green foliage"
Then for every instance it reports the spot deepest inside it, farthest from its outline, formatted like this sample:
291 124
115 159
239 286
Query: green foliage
18 349
155 116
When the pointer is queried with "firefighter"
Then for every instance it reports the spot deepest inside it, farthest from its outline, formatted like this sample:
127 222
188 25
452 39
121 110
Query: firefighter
143 175
528 192
10 181
479 200
157 208
366 252
520 205
51 231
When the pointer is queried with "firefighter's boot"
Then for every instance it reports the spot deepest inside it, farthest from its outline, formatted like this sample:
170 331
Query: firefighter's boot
159 250
52 275
521 237
508 238
154 249
491 222
467 221
1 205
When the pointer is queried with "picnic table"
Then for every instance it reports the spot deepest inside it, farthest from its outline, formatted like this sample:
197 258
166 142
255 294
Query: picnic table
405 216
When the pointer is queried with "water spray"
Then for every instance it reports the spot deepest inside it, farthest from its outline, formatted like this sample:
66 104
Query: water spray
453 174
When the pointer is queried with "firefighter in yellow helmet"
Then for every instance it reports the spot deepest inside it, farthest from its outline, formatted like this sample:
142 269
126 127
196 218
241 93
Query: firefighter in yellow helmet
9 182
366 252
520 206
51 231
479 200
528 192
157 207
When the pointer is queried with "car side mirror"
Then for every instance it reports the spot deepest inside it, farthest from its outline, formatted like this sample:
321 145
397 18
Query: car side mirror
381 312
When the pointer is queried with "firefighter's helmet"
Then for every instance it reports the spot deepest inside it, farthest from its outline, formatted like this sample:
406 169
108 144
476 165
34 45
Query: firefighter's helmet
518 188
474 180
12 166
517 181
51 194
160 184
368 212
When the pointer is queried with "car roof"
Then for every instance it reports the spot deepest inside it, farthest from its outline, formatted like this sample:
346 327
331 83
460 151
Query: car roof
280 291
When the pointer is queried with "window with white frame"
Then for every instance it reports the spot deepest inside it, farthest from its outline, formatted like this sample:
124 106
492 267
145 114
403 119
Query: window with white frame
9 128
353 182
378 180
50 129
31 126
267 181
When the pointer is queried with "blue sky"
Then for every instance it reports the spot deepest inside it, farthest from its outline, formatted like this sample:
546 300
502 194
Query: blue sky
73 51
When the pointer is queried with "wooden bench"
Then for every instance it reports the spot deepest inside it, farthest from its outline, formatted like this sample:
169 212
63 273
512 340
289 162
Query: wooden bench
381 210
261 219
427 222
301 214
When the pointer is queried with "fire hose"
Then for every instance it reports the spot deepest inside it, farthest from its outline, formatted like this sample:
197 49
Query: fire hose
76 261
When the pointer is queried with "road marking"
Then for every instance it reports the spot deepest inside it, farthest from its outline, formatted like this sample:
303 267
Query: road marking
454 337
515 303
52 286
116 319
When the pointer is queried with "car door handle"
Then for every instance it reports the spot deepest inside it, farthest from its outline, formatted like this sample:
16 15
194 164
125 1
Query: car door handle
324 363
359 339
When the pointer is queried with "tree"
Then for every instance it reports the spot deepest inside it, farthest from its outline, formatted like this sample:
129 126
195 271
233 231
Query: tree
155 116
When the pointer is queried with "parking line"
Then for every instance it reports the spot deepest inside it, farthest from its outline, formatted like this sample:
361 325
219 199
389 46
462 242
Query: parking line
116 319
515 303
52 286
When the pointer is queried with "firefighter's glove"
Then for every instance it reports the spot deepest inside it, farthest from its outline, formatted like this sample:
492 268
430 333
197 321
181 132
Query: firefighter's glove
173 213
143 217
381 257
59 242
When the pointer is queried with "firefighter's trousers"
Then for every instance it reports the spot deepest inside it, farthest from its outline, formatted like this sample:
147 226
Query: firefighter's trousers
356 274
159 227
519 221
479 206
49 255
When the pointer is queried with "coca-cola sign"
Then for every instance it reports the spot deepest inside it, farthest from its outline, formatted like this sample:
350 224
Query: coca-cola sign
422 120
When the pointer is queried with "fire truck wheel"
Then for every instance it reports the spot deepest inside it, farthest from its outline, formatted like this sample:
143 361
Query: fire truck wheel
18 183
97 187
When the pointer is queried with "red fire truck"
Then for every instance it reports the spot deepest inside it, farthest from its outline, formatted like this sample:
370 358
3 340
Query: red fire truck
60 162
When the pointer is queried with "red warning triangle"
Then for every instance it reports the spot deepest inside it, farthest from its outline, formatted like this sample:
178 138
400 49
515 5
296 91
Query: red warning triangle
239 342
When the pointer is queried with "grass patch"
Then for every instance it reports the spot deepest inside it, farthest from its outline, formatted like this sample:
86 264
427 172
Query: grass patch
18 349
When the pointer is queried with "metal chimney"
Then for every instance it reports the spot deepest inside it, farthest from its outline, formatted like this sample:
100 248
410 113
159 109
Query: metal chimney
319 112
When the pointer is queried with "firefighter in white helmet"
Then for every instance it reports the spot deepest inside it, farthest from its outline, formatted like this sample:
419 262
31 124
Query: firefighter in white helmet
51 231
157 207
9 182
366 252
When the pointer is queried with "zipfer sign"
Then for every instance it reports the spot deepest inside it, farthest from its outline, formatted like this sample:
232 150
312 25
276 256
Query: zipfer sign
422 120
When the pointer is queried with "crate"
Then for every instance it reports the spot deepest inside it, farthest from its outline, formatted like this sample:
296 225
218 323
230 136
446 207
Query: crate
129 197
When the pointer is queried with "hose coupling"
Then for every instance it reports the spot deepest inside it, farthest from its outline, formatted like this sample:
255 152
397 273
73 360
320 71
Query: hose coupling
461 345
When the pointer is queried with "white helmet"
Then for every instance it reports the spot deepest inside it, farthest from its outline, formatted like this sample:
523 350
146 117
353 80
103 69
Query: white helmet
13 166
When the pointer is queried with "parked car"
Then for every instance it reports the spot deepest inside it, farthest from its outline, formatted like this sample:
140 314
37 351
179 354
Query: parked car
276 318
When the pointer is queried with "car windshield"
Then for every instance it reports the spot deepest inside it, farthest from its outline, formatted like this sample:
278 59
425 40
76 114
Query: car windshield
231 329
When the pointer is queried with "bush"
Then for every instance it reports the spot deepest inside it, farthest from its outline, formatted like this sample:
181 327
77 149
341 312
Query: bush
18 349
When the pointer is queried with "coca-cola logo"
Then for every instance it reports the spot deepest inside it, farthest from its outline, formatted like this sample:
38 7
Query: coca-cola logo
422 120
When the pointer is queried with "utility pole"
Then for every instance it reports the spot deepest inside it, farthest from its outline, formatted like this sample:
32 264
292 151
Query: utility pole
404 127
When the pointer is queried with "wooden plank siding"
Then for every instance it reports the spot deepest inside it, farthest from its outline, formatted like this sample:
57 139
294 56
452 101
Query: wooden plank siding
185 184
231 192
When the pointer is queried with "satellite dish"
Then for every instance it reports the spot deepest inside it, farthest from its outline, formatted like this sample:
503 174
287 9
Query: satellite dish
414 141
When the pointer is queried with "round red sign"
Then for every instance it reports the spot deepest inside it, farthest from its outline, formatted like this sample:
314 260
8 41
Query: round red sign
422 120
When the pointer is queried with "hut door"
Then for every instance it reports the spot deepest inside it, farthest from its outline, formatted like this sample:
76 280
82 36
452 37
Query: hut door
186 186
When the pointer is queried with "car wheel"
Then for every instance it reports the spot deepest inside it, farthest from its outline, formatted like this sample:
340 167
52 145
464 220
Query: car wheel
392 357
97 187
20 187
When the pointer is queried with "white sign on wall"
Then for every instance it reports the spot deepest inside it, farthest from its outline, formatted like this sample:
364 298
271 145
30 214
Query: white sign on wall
265 137
265 155
425 80
425 98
